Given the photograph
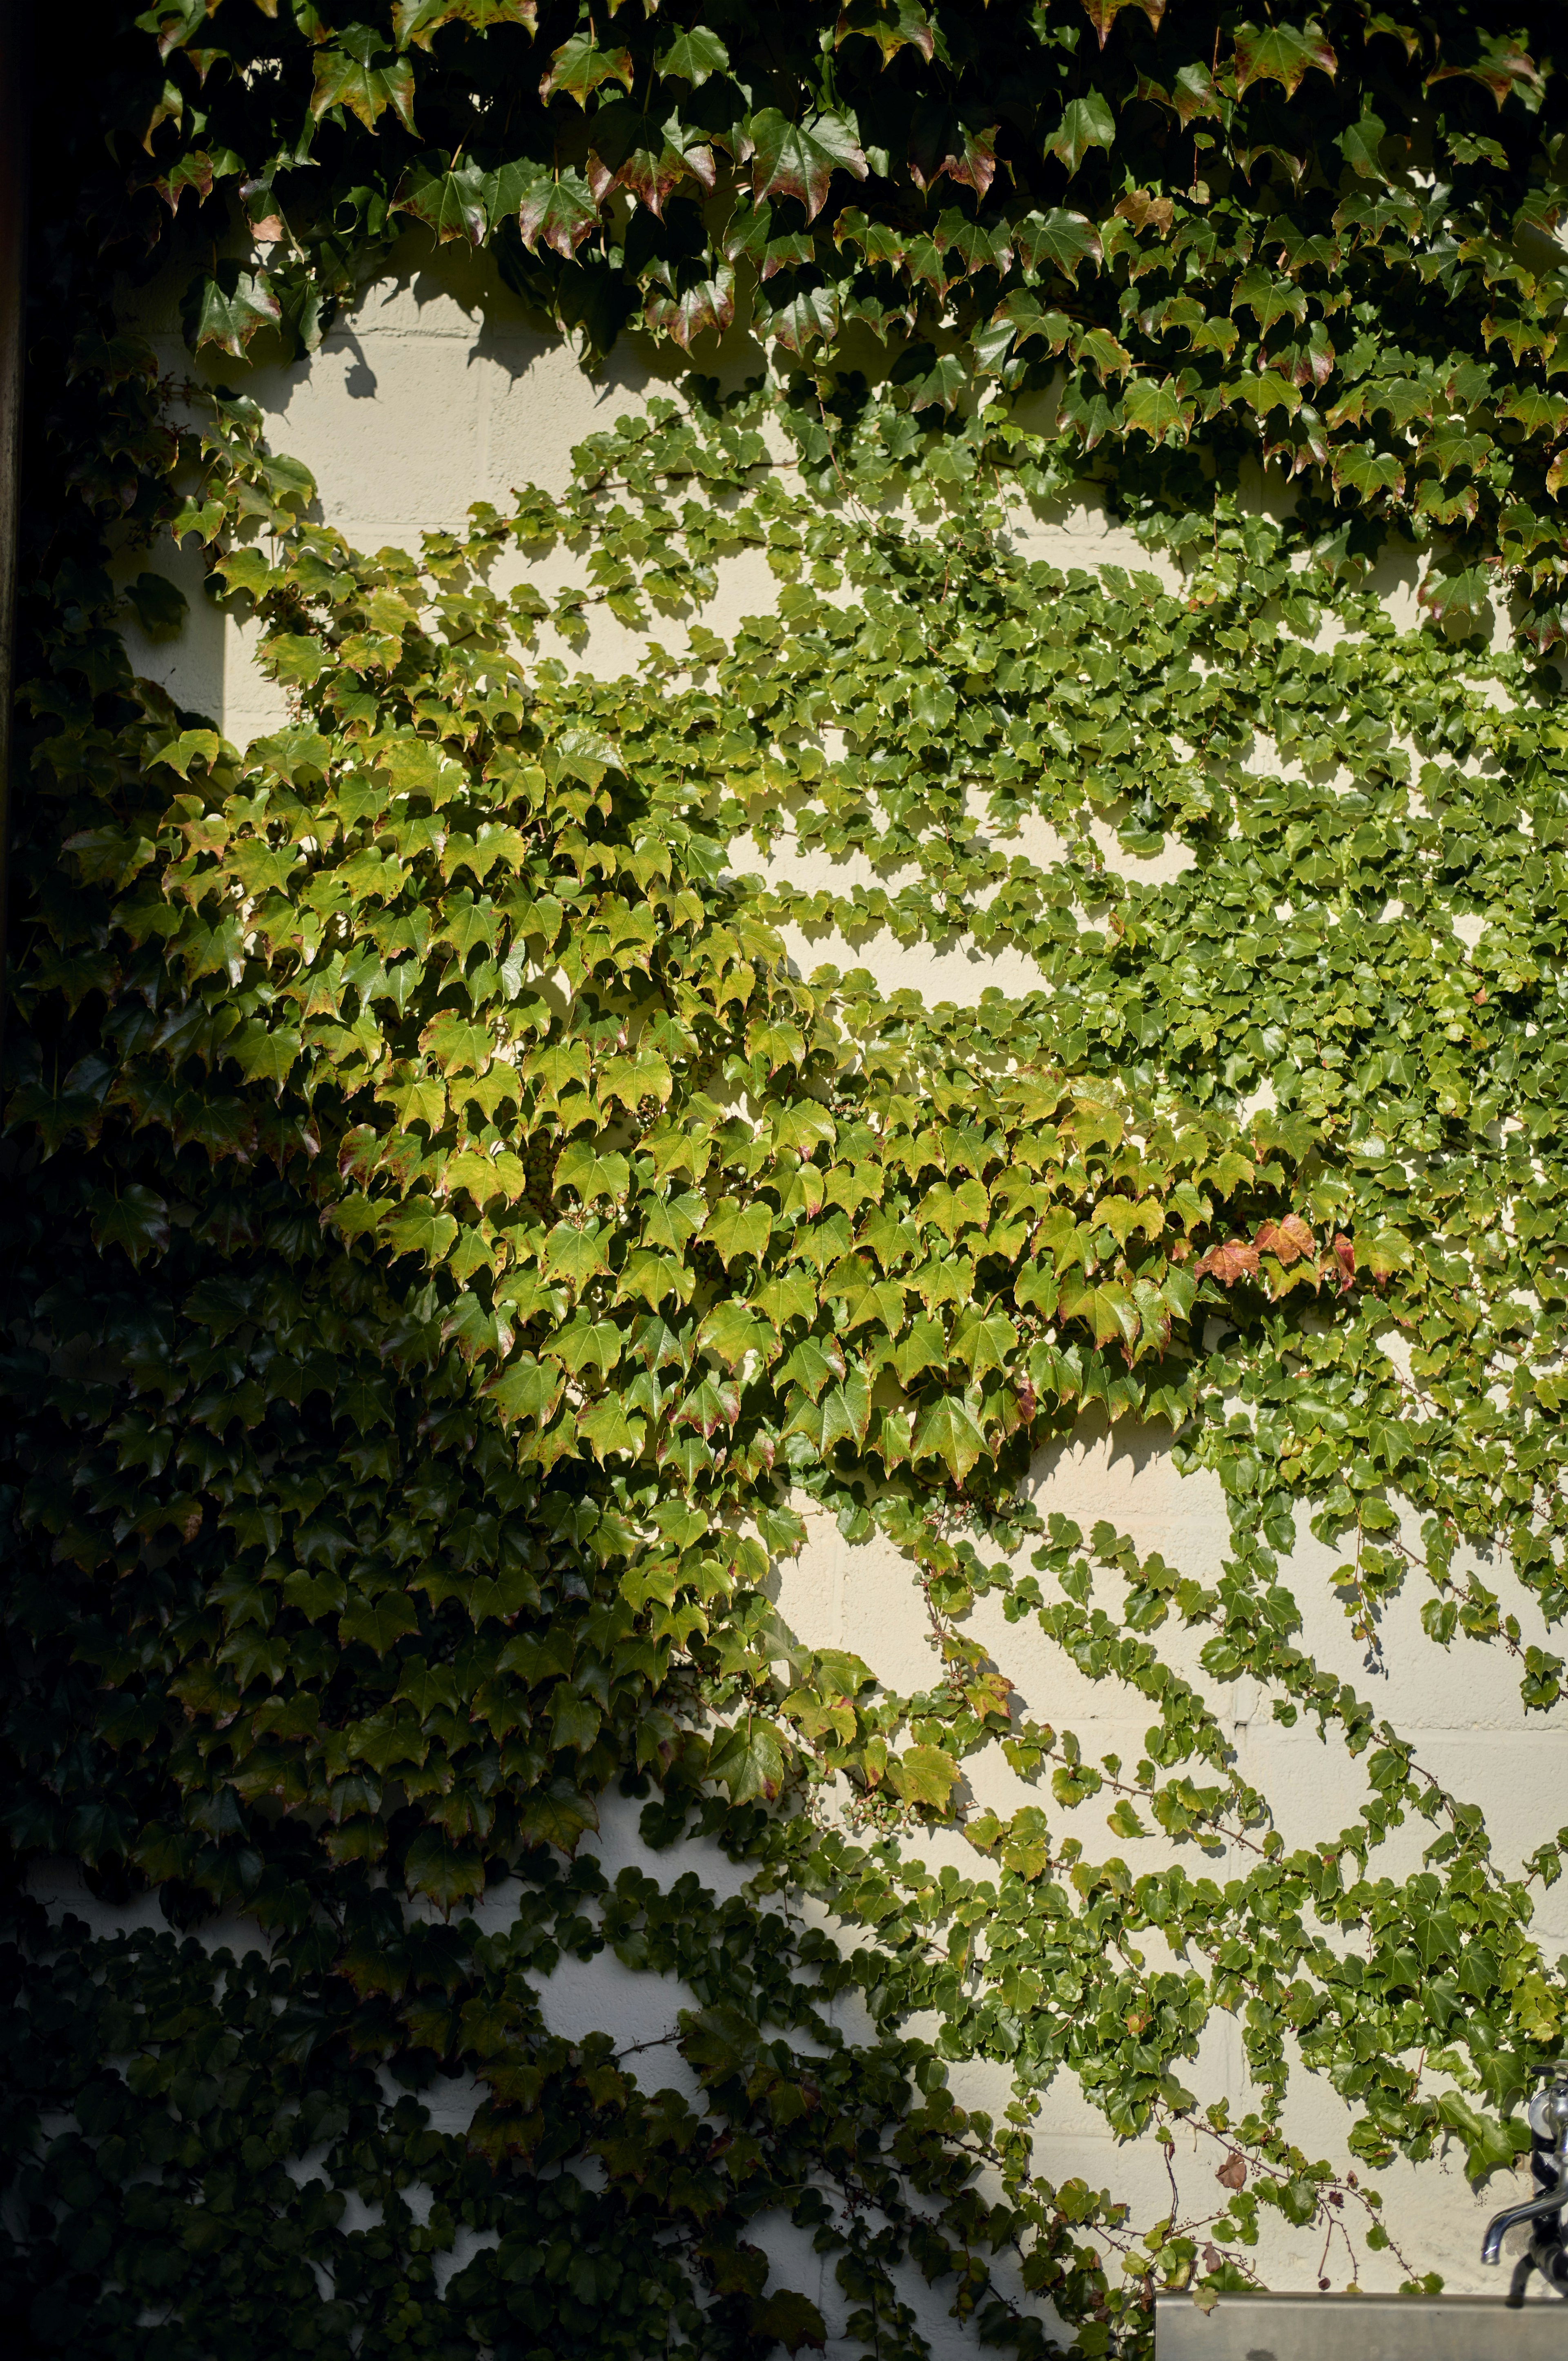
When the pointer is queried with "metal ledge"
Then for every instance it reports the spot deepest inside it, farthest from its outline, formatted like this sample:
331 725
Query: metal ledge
1361 2328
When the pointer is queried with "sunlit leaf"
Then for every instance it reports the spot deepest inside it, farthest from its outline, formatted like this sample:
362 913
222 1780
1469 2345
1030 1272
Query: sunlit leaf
799 161
1086 123
353 75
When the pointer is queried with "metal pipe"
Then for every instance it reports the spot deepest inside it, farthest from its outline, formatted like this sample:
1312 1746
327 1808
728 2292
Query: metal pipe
1551 2201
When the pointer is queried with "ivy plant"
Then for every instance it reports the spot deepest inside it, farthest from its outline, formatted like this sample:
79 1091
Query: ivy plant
451 1240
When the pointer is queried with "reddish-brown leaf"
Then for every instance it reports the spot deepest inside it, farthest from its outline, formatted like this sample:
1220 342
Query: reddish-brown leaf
1236 1259
1288 1239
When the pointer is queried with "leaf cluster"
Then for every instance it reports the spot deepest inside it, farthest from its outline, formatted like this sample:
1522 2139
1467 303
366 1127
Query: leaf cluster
457 1229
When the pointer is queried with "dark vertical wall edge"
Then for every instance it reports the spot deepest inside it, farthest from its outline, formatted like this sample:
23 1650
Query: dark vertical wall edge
13 253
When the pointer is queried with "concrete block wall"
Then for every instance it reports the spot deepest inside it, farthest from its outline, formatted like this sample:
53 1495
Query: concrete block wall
438 391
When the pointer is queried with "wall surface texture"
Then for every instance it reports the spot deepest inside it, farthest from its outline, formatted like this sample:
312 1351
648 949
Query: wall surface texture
437 392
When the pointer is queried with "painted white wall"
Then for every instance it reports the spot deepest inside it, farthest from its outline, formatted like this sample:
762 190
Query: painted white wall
436 392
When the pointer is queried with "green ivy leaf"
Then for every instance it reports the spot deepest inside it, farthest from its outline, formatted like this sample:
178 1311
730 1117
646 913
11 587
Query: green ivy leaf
579 67
790 2319
560 209
948 1431
134 1218
748 1761
416 22
693 56
451 201
528 1388
448 1873
1280 53
348 75
376 1623
230 308
735 1230
924 1776
558 1814
799 161
1058 239
581 1166
1086 123
418 1228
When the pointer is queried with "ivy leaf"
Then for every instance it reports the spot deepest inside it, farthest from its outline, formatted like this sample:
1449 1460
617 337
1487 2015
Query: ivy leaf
1367 471
1268 299
451 202
448 1873
948 1431
418 1228
733 1331
708 305
734 1230
693 56
160 605
941 139
582 1166
748 1759
1456 591
416 22
1194 96
1020 318
984 1341
808 318
1109 358
348 75
560 210
528 1388
134 1218
557 1815
1161 411
579 67
814 1361
846 1411
607 1432
1065 240
799 161
1487 2147
585 1342
925 1348
1236 1258
575 1720
376 1623
1102 14
924 1776
1503 69
1086 123
107 854
298 659
1287 1240
711 1403
1280 54
576 1255
629 151
230 308
297 752
457 1044
1361 144
265 1053
790 2319
1536 410
893 25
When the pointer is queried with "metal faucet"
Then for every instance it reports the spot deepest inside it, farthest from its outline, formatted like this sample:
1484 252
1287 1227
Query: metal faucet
1549 2164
